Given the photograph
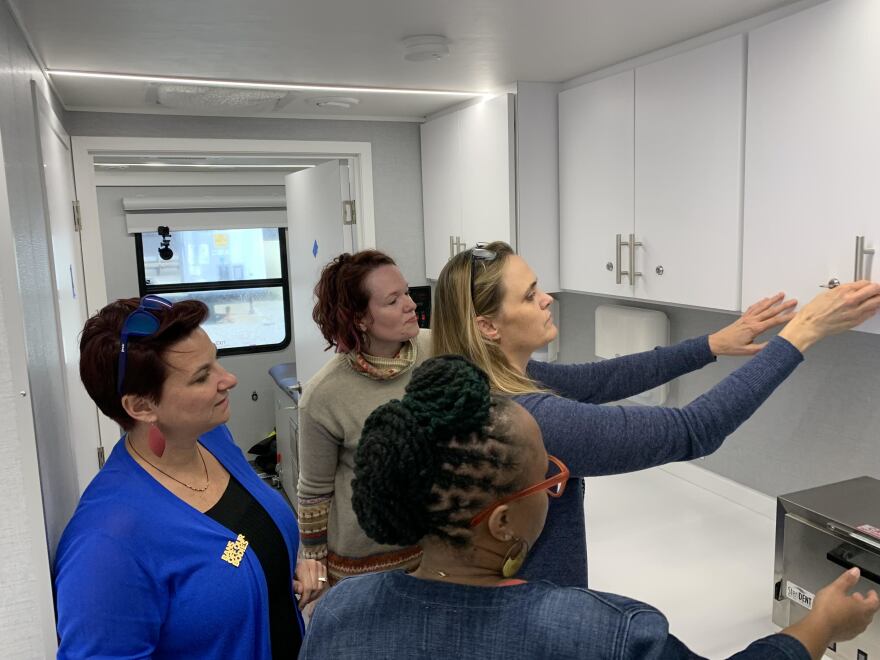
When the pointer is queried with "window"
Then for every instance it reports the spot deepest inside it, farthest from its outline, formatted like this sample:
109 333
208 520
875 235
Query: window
240 274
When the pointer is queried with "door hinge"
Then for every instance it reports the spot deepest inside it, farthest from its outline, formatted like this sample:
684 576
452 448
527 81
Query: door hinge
77 216
100 457
349 212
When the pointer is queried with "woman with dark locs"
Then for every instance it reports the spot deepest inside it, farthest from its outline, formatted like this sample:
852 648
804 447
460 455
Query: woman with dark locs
464 473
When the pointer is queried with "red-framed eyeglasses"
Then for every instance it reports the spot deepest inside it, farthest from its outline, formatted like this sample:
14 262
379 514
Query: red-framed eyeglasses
554 485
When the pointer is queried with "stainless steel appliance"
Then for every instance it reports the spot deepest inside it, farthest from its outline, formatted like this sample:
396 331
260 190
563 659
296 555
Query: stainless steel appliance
820 532
287 425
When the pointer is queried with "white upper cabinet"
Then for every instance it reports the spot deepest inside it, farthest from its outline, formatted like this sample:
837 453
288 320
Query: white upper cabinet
812 145
688 169
596 184
656 154
441 191
468 176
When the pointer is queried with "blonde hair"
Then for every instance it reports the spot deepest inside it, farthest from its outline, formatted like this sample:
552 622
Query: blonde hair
456 308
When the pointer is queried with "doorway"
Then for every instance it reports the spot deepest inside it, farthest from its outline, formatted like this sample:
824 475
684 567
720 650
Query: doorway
92 154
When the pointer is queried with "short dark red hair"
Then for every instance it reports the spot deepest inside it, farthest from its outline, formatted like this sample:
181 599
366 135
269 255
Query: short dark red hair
342 298
145 369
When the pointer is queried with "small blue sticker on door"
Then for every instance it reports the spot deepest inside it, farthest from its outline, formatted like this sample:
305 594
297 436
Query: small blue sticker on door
315 249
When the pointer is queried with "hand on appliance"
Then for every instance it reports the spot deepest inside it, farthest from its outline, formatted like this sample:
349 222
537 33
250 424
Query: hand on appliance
837 616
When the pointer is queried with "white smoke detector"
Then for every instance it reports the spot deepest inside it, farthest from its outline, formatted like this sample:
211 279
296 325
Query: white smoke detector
425 47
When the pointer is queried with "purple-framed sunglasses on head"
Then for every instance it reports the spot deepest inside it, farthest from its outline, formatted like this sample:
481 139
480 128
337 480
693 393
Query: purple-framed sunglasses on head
140 323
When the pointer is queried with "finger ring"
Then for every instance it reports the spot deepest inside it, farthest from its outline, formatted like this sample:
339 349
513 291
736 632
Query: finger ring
322 579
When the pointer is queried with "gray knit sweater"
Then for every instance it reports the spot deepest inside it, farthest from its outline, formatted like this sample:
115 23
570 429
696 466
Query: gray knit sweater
594 440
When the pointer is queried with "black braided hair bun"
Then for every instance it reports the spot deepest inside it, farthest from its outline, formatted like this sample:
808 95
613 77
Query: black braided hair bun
397 464
450 396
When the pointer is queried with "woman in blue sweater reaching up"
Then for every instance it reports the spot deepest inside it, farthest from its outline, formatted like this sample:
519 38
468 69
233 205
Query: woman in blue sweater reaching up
489 308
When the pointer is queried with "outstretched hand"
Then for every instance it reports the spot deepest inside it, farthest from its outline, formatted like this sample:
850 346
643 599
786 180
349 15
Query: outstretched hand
837 615
833 311
738 338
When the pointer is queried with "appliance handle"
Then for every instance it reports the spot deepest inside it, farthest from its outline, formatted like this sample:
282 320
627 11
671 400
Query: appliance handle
834 556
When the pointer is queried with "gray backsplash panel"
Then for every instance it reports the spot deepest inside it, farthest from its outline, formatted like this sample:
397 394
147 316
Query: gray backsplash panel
822 425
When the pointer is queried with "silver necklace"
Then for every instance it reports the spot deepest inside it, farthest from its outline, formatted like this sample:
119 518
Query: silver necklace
158 469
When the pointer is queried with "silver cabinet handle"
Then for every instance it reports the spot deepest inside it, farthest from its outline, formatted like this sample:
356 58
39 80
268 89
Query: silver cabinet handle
451 247
861 251
619 244
633 244
833 283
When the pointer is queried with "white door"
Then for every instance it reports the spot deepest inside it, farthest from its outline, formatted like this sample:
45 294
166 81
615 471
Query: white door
688 173
70 301
596 185
314 236
812 139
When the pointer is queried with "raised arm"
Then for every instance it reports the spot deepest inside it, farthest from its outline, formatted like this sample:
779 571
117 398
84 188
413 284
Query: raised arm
595 440
318 460
623 377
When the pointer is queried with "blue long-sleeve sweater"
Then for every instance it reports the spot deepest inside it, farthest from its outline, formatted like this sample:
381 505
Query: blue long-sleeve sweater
597 440
140 573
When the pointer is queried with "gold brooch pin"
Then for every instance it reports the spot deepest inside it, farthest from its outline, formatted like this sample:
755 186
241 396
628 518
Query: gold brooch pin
235 551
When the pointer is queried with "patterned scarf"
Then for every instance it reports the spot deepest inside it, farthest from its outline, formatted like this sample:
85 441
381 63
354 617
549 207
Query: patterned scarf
383 368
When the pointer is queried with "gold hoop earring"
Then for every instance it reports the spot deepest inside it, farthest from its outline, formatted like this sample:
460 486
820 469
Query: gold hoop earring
514 558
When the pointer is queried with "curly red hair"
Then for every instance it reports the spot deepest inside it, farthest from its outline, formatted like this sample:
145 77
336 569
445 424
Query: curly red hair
342 298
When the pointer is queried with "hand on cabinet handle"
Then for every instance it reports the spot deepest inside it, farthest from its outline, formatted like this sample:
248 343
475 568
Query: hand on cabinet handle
861 251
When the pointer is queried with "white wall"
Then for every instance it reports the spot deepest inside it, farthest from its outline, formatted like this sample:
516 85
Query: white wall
30 361
251 420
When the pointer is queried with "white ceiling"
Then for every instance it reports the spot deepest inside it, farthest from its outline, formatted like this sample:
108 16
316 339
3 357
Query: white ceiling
354 42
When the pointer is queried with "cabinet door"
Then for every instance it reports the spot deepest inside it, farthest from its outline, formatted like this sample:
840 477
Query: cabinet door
812 145
595 184
486 171
688 168
441 190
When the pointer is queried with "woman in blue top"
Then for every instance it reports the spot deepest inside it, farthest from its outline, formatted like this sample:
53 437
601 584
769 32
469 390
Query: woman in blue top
465 475
176 549
489 308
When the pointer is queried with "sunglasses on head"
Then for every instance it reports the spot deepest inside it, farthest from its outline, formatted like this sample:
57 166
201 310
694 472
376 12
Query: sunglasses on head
479 253
140 323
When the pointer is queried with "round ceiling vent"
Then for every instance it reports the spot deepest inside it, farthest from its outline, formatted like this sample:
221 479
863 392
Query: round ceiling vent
335 102
425 48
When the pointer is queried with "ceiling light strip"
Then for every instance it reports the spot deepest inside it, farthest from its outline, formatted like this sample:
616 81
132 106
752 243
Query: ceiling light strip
202 165
240 84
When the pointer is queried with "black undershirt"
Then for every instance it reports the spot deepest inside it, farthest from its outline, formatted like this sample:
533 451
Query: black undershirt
240 512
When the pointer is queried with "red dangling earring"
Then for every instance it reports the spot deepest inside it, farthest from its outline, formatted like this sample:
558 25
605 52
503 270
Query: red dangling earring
156 441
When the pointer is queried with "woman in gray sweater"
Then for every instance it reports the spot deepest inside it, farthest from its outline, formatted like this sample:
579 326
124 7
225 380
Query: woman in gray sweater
365 312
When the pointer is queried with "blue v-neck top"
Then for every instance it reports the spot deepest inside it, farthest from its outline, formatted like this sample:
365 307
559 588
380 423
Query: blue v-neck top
140 573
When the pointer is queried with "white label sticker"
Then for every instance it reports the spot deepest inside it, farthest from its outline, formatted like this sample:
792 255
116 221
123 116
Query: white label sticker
800 596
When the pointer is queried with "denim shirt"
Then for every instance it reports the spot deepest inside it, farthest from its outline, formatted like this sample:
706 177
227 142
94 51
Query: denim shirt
394 615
